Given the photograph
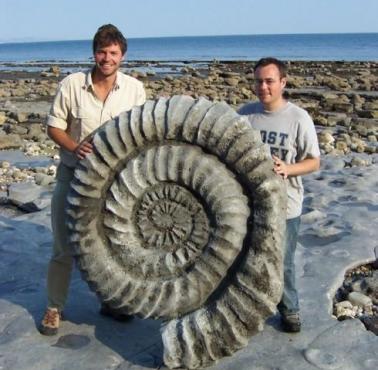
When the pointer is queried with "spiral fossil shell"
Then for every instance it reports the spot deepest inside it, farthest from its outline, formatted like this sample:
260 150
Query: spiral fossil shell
177 214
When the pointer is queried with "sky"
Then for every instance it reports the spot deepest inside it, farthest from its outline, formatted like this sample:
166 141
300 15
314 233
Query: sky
47 20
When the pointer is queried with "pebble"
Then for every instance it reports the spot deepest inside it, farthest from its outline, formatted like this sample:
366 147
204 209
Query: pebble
359 299
345 309
43 179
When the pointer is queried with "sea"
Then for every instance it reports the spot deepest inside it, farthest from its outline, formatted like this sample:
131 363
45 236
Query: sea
316 47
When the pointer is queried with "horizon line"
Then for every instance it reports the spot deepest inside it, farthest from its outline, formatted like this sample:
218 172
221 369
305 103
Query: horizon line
25 41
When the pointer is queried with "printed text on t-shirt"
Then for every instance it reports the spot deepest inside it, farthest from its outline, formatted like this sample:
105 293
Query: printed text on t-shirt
276 142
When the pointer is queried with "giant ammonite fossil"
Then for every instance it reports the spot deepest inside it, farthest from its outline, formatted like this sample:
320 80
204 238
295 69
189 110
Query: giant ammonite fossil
178 214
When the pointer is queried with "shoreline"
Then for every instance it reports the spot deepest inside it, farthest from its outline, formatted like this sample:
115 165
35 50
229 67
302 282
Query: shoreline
341 97
72 66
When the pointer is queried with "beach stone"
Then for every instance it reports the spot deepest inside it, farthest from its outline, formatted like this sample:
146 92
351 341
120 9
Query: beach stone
55 70
18 91
344 309
343 107
326 137
358 145
35 205
44 141
4 93
32 149
358 100
329 97
346 138
295 81
5 164
231 81
20 116
3 118
359 162
356 286
248 94
337 118
362 130
371 324
371 149
21 193
51 170
18 130
370 284
371 105
34 130
229 74
368 113
10 121
359 299
43 179
342 146
320 120
328 149
39 169
337 83
10 141
18 175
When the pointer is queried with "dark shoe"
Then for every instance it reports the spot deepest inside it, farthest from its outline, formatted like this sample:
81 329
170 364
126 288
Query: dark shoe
115 314
50 322
291 323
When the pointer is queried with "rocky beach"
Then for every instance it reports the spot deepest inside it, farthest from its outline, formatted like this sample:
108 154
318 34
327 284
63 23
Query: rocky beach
342 97
337 255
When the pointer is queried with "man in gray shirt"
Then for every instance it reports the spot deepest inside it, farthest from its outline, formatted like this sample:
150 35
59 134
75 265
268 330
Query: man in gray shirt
291 135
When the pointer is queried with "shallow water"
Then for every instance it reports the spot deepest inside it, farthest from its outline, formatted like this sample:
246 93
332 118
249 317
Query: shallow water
19 159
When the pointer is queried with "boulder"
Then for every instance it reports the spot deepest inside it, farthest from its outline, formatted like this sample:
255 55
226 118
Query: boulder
10 141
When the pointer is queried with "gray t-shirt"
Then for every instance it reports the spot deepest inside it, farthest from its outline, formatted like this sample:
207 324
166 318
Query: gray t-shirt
291 135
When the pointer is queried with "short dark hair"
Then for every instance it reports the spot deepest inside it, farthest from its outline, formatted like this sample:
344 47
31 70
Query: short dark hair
107 35
263 62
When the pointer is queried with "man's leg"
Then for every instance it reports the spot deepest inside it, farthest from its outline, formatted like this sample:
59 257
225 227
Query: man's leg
289 305
60 266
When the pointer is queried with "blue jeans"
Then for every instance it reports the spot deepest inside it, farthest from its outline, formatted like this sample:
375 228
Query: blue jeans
289 301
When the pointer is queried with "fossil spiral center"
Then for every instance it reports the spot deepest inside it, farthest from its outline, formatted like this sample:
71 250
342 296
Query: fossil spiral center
169 215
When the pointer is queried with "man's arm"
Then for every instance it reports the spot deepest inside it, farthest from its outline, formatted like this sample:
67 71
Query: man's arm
61 137
302 167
